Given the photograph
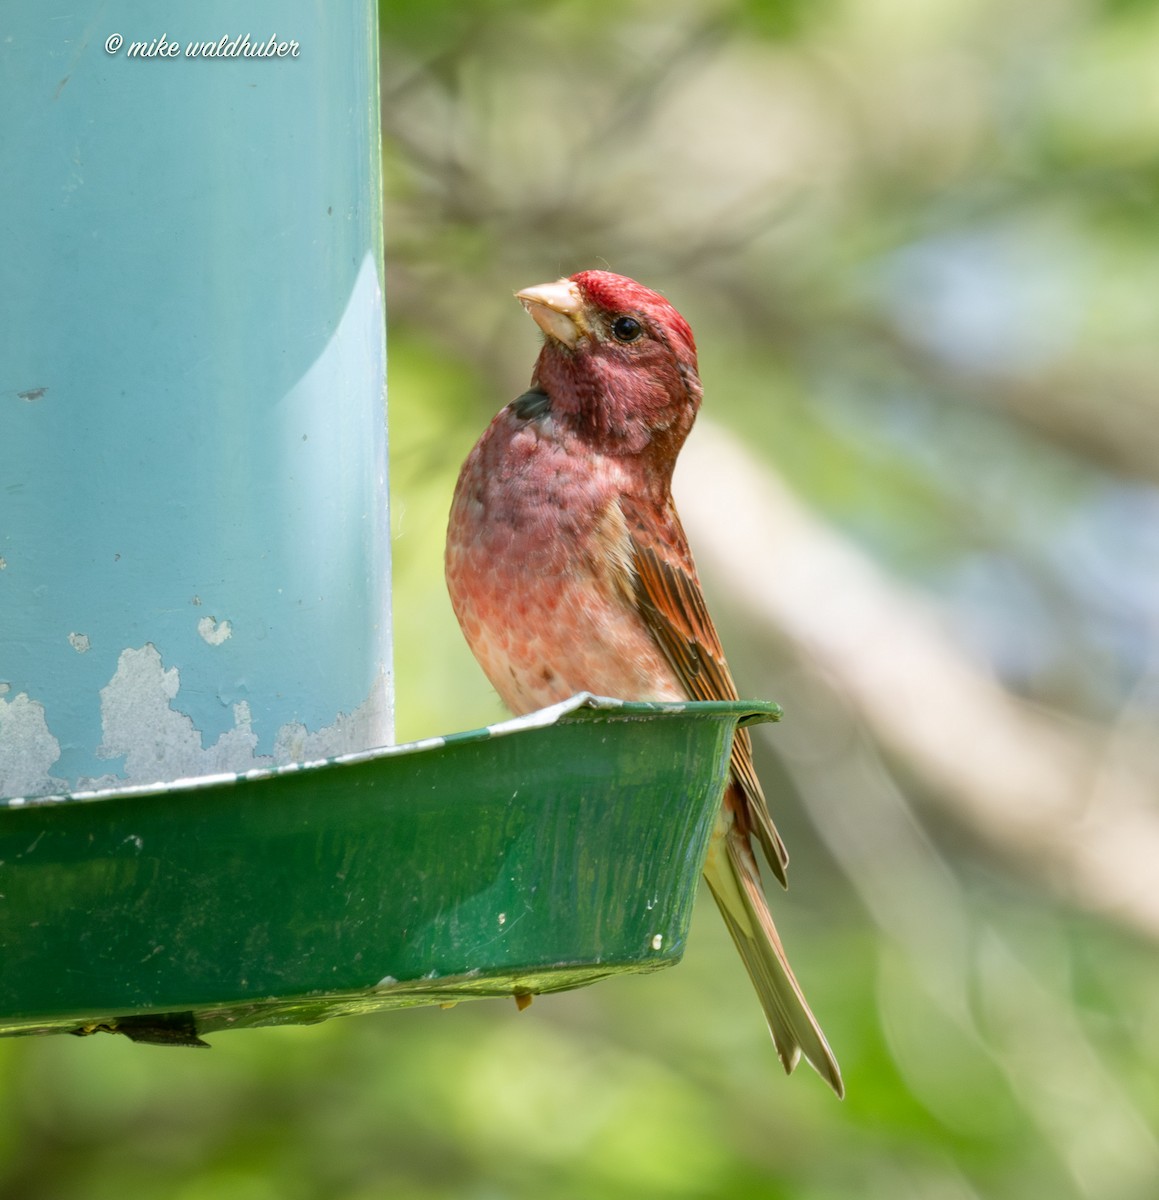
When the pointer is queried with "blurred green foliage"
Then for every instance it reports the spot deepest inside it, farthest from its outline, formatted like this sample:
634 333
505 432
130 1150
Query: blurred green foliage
918 243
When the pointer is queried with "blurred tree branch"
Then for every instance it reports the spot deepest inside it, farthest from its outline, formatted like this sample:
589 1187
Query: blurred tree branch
1071 804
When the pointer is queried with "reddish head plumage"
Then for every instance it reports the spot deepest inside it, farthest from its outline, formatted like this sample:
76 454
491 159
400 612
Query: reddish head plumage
613 294
619 362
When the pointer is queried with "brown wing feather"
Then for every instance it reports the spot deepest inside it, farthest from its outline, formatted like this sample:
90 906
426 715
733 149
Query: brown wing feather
669 598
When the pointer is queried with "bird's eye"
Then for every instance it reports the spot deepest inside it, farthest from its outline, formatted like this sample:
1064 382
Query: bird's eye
626 329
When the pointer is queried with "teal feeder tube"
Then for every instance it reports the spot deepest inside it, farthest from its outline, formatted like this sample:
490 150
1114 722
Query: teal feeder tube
194 572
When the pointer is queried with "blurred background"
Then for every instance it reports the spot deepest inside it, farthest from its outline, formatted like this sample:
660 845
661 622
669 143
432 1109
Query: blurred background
918 244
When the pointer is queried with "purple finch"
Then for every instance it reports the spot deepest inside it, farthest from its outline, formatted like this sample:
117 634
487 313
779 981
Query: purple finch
569 571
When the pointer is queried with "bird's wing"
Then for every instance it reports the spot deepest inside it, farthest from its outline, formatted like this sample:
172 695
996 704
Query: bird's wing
668 597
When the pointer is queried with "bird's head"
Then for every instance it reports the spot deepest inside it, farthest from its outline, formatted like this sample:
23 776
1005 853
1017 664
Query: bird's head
618 363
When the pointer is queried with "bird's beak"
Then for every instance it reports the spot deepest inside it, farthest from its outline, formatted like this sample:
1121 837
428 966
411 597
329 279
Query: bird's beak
558 309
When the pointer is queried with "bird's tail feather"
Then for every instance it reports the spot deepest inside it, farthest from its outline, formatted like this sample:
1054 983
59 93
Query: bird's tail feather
735 883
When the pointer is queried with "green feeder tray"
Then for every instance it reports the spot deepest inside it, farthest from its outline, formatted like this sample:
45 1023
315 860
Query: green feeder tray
537 855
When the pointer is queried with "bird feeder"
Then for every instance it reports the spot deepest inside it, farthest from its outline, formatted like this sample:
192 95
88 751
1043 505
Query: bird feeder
538 855
203 824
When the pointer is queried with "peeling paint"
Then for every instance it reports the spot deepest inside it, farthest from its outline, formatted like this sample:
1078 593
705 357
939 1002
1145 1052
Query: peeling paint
141 723
213 632
156 740
27 749
349 733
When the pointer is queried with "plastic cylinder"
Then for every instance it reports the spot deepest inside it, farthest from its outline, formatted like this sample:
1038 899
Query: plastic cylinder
194 549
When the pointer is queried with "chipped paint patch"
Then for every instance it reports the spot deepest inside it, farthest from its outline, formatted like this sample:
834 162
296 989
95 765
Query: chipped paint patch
213 632
142 723
27 749
156 740
80 642
161 745
349 734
